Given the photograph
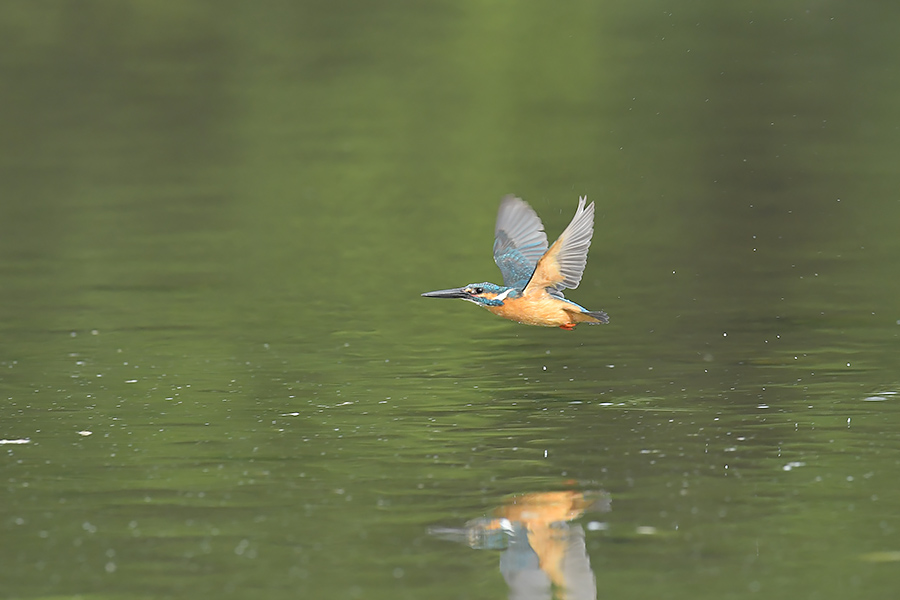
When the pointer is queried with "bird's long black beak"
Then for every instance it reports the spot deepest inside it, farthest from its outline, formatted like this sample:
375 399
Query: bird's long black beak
454 293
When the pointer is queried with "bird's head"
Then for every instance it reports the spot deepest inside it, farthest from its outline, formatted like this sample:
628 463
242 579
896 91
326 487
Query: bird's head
484 294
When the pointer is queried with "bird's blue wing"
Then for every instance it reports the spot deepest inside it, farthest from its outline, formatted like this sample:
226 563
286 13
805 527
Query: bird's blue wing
519 241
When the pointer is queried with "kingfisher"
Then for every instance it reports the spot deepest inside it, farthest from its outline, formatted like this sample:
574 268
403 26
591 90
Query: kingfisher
534 276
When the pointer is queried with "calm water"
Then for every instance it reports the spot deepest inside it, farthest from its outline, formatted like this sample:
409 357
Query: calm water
217 377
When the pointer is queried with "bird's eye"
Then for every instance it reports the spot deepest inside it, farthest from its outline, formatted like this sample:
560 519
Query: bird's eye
478 290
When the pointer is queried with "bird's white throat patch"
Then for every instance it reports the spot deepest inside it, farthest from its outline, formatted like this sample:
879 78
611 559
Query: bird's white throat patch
502 297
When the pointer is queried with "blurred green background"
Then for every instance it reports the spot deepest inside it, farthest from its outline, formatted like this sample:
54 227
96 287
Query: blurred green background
217 377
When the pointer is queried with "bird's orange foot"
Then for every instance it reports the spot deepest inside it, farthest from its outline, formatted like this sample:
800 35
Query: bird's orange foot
568 326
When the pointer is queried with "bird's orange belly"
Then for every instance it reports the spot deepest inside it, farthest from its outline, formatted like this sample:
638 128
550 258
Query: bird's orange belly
542 312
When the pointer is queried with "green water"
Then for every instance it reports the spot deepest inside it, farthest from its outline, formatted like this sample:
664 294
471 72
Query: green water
217 376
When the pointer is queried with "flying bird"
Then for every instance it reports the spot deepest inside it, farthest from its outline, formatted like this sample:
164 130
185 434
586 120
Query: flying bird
534 276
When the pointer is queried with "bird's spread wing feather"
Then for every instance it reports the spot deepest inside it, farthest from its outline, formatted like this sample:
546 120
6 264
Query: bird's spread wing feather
519 241
562 265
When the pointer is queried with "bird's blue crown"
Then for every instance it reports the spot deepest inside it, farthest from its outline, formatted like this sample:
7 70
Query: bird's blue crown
492 291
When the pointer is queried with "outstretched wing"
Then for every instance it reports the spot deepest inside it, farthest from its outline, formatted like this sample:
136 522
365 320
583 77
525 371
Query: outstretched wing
519 241
562 265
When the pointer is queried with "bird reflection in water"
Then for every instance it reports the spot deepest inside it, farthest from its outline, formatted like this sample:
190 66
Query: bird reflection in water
543 550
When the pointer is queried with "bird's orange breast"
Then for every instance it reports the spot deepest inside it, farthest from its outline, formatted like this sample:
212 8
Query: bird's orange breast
543 310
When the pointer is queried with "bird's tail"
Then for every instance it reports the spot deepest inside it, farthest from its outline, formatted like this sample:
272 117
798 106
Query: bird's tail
599 316
596 317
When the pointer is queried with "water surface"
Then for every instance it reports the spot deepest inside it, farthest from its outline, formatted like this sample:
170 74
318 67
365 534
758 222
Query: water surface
217 377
